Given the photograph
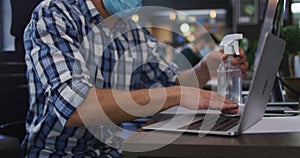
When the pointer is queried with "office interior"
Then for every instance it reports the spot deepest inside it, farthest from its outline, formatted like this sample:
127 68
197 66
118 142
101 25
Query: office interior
218 17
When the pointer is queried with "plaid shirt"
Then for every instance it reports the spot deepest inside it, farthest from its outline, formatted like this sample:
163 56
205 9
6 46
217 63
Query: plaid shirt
68 51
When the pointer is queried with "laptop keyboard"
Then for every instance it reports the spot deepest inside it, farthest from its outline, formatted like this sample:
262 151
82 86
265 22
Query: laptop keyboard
213 123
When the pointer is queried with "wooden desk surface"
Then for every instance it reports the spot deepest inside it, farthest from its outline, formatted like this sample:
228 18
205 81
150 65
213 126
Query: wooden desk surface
283 145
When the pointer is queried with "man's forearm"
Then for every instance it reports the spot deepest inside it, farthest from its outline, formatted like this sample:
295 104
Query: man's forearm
103 106
192 79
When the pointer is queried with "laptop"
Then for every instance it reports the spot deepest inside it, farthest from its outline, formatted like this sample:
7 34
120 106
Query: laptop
253 109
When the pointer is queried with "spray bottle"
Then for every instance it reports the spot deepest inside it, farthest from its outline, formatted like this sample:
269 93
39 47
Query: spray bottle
230 76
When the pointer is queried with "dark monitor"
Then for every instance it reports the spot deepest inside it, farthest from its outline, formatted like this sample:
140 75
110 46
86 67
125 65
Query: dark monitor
273 21
279 17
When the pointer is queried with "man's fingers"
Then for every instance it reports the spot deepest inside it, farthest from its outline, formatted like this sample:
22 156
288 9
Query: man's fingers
239 60
244 66
235 111
230 108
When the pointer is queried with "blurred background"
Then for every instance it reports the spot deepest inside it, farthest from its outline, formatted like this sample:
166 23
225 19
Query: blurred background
175 25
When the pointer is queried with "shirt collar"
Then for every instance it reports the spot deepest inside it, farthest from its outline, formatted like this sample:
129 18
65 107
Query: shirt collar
89 10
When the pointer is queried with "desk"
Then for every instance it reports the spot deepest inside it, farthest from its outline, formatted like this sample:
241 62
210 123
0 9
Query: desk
281 145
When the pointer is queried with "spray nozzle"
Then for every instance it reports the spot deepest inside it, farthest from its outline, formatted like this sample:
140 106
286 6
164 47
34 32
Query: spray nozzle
231 44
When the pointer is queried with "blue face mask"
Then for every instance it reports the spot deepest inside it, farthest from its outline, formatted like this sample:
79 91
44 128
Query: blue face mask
122 8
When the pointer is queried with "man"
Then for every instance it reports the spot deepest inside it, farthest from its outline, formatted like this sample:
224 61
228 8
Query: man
112 77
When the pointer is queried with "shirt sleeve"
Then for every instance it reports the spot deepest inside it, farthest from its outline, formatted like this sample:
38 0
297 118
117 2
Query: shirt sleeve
53 49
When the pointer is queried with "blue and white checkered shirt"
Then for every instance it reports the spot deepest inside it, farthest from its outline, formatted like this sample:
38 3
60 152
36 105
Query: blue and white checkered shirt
68 51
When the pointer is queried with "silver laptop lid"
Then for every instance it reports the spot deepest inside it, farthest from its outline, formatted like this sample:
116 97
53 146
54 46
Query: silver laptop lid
263 80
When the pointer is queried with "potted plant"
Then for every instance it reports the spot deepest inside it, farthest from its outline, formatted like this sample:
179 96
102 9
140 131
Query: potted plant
291 34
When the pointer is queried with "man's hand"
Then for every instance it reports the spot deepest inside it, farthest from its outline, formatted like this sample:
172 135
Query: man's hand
209 64
239 60
194 98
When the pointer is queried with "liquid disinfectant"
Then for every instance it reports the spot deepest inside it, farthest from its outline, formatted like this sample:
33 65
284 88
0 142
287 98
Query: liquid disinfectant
230 76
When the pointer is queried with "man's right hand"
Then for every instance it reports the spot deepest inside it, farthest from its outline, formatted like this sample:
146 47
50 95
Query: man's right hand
194 98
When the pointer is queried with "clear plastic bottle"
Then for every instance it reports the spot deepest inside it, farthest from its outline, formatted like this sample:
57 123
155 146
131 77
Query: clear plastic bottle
230 81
